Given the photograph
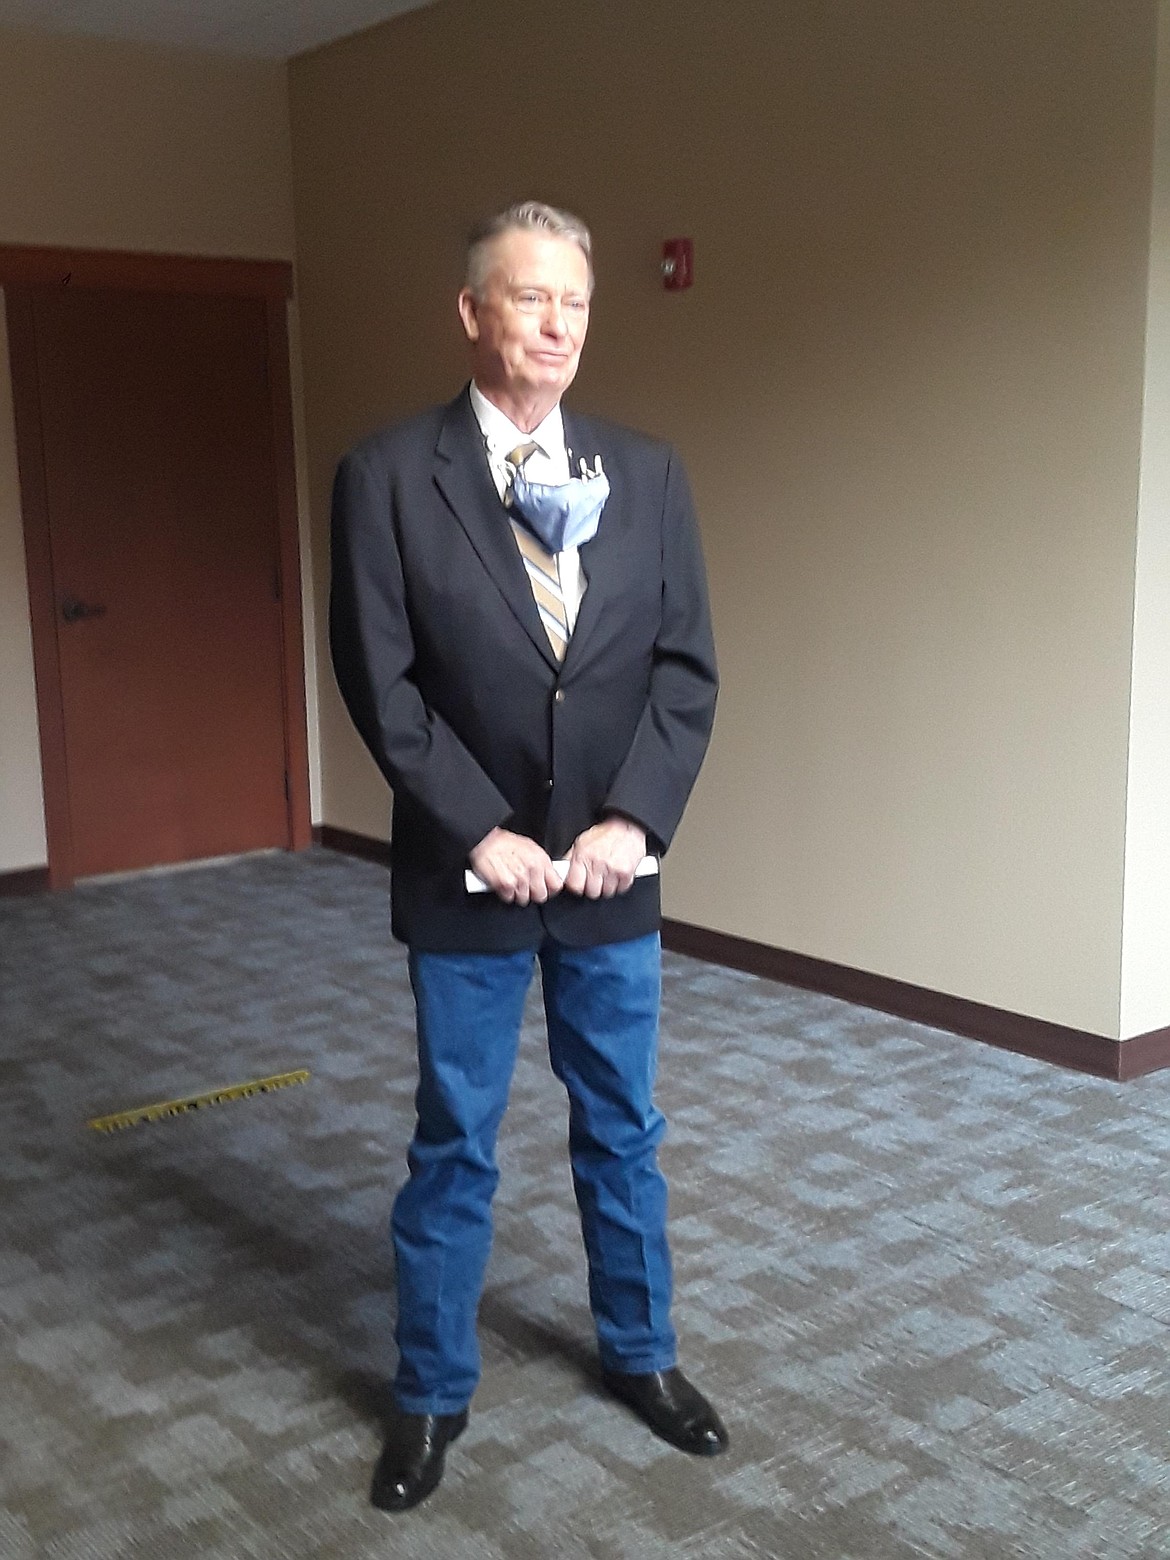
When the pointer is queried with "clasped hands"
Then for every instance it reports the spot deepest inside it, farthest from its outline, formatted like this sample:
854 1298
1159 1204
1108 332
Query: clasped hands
602 863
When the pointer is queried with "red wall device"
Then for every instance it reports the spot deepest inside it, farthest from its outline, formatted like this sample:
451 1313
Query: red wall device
678 264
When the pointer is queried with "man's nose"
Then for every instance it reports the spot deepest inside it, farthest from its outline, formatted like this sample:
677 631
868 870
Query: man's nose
554 319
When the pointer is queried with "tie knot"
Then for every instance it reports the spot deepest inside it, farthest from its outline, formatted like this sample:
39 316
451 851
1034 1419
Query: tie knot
521 453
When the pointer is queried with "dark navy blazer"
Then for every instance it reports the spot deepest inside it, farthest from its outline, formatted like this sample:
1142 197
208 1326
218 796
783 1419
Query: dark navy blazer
449 677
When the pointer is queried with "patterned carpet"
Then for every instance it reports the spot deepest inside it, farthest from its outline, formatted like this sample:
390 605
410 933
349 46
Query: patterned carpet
928 1283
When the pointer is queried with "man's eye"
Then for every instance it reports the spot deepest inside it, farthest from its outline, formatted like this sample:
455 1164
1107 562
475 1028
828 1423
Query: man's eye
528 300
577 305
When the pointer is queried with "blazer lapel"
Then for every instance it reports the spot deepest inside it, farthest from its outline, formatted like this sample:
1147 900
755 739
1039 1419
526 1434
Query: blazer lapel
601 557
465 480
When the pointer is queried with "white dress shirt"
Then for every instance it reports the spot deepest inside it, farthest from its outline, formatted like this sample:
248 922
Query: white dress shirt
549 464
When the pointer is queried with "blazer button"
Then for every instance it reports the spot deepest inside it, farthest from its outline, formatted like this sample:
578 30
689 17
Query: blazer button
559 696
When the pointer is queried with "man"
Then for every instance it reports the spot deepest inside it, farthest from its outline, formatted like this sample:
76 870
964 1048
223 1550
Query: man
520 632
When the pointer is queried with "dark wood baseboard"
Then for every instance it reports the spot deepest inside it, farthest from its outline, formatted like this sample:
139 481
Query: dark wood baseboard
1119 1060
31 880
347 843
1074 1048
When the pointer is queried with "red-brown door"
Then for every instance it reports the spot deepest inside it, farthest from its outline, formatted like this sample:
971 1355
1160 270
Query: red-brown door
160 490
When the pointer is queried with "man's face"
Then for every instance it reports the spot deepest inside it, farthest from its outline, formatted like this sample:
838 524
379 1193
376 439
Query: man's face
528 327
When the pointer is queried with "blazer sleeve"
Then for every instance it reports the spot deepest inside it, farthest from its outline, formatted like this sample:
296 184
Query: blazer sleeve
663 761
373 656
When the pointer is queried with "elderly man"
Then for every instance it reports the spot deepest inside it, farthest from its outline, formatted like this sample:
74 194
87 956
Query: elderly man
520 631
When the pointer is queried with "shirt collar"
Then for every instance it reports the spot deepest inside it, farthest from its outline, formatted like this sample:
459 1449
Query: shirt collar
502 435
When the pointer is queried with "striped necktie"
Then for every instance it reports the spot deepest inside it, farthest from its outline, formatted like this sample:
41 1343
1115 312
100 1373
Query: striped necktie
543 573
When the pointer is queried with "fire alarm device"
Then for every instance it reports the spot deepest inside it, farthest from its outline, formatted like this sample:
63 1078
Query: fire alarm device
678 264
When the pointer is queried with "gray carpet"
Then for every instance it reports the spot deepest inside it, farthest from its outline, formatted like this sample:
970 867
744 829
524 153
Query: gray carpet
927 1282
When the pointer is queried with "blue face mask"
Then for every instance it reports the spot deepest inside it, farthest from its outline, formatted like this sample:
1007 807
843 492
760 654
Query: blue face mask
562 514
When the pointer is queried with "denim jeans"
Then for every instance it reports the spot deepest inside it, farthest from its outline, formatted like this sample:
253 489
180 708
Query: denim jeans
601 1007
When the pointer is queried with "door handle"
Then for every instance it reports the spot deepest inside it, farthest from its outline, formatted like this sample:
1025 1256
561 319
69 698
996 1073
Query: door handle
73 610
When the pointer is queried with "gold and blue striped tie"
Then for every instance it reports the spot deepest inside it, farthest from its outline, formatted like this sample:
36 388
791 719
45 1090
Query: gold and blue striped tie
543 572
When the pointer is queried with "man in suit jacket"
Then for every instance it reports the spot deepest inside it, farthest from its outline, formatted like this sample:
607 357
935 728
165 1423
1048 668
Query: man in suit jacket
521 634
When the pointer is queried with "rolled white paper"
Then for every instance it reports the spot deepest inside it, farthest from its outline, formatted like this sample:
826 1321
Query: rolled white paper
647 867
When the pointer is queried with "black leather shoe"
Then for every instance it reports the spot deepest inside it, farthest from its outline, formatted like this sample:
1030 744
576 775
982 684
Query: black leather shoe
411 1463
673 1409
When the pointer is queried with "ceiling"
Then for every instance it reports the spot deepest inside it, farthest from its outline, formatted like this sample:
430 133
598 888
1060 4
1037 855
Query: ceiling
272 29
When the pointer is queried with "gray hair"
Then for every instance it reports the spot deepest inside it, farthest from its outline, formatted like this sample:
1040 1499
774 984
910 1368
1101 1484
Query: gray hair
524 215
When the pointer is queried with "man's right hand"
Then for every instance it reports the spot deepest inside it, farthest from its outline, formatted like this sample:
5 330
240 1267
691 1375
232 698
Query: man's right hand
515 868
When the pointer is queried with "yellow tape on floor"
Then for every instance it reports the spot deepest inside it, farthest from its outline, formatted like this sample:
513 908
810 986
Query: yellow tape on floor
234 1091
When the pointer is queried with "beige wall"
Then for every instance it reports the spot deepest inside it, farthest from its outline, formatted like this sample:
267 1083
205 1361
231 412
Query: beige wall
120 146
907 384
131 146
1145 991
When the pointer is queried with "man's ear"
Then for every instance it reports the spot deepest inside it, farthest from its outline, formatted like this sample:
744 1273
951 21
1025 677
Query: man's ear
468 313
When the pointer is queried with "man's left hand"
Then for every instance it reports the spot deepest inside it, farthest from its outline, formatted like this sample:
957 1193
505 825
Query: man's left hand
603 860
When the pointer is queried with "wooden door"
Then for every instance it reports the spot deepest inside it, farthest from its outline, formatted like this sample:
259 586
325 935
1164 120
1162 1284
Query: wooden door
160 494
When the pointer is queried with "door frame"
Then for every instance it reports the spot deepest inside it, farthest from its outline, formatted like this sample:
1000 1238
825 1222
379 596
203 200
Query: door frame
23 267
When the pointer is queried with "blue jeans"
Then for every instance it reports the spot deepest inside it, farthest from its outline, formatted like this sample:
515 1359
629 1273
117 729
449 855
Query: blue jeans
601 1007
